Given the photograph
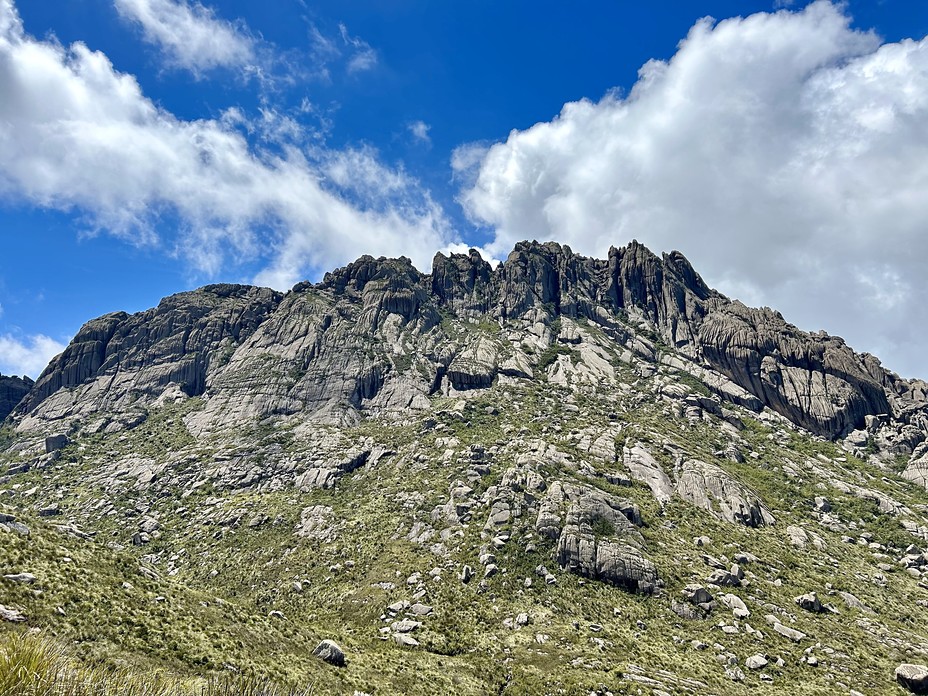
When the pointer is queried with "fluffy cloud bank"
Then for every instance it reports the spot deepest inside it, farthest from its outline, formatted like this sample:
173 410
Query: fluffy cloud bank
785 154
27 356
77 134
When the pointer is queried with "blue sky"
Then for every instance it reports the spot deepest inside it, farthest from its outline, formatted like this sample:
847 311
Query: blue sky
151 146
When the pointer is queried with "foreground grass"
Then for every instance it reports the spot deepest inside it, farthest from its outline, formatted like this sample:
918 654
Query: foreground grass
34 665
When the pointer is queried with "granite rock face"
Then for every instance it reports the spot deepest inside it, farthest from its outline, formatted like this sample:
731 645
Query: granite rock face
119 361
378 335
709 487
12 391
599 540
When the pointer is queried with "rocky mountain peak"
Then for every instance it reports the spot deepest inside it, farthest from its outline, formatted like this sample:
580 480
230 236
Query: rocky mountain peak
345 343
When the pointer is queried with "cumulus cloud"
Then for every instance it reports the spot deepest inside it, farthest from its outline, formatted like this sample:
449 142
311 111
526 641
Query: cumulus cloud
27 356
191 35
75 134
786 154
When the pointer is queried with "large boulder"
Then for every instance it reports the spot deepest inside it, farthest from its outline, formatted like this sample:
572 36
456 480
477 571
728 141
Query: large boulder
600 541
913 677
329 651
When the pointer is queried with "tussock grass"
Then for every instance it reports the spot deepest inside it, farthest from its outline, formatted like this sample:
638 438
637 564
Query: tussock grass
34 665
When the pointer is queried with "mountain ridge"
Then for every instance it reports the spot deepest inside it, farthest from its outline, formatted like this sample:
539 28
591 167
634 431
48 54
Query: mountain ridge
815 380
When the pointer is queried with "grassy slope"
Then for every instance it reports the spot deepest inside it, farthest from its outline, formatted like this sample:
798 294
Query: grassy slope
214 611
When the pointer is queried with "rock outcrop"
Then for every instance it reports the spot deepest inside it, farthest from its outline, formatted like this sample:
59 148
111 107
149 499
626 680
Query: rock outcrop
709 487
12 391
119 362
599 540
913 678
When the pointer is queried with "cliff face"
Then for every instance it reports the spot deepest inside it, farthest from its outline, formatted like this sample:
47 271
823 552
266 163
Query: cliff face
12 391
118 361
372 336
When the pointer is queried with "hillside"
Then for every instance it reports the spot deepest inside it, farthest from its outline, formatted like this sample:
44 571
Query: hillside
561 475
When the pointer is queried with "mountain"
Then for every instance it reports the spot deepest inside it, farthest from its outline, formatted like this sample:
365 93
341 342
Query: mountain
558 475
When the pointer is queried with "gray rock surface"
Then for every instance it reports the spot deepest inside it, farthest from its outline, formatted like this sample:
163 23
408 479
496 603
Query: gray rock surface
643 467
11 615
369 336
810 602
118 359
329 651
914 678
12 391
711 488
599 540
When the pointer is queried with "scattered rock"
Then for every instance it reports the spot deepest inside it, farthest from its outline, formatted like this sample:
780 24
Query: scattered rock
735 603
809 602
405 640
12 615
696 594
853 603
797 536
23 578
53 443
329 651
913 677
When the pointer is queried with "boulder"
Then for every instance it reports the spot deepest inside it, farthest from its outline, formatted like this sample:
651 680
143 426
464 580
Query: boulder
22 578
809 602
798 537
329 651
913 678
404 640
696 594
736 604
11 615
53 443
599 541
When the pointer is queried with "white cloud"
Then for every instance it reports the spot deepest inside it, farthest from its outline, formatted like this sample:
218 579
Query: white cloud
785 154
77 134
419 130
461 248
465 162
363 57
191 35
27 356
